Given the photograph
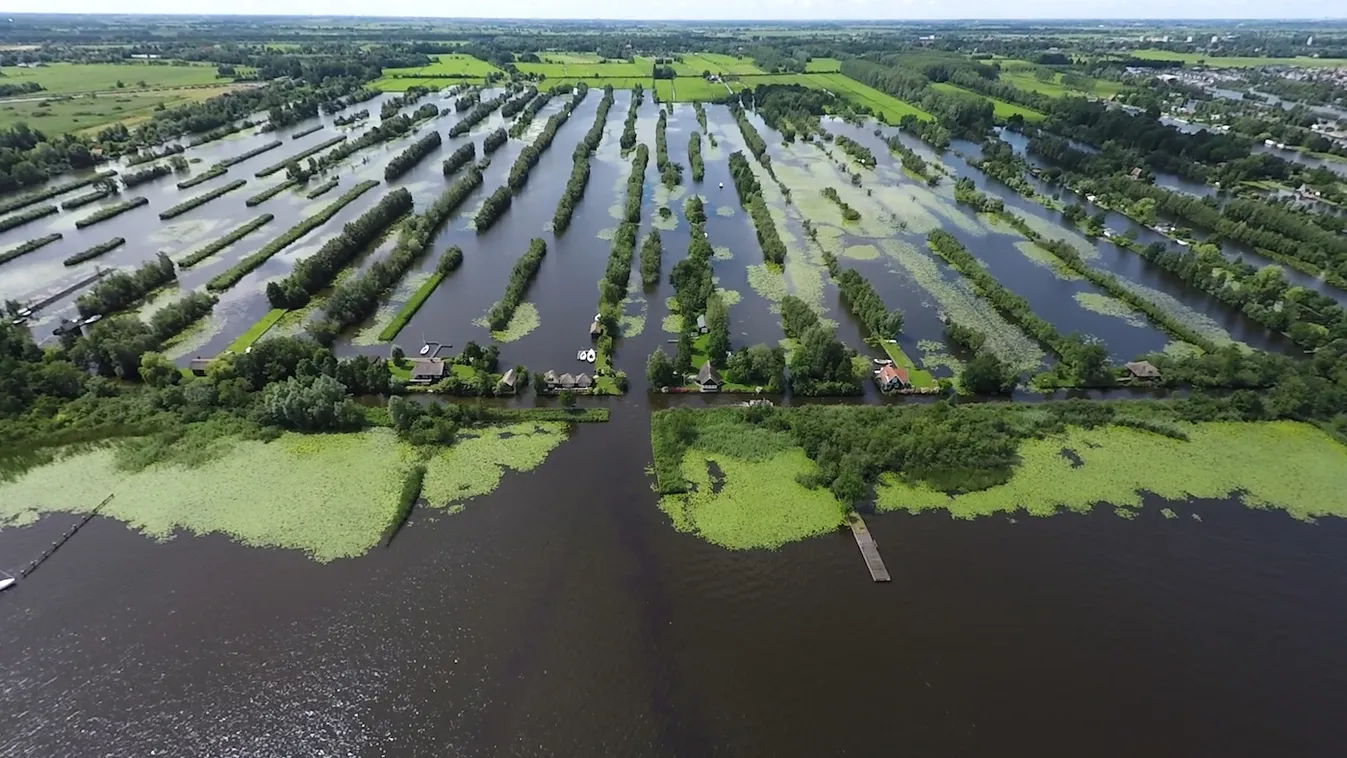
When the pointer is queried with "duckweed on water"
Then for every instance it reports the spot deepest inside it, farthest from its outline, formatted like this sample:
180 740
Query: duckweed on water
726 211
759 503
1198 322
672 323
766 280
861 252
1305 478
1097 302
1044 259
524 321
722 253
329 495
730 297
474 465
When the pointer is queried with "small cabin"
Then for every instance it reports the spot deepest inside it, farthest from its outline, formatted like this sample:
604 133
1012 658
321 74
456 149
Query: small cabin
566 382
198 366
427 372
1142 370
583 382
702 328
891 377
595 329
550 379
708 379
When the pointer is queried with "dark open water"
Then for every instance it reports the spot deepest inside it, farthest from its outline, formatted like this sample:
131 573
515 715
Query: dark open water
557 617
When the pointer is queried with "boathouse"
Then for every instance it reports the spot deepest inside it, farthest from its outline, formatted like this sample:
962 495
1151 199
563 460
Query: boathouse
1142 370
708 380
198 366
506 385
702 328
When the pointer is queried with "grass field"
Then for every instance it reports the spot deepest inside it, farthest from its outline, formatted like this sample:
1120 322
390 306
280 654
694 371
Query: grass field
693 64
70 78
570 57
687 89
391 84
1003 110
1023 78
620 82
614 69
255 332
448 65
823 66
1238 62
890 108
88 112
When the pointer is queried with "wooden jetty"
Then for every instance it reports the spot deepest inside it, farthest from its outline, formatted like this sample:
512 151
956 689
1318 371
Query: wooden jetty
869 550
49 552
98 274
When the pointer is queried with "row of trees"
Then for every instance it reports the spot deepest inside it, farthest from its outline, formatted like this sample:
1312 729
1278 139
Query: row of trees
480 111
750 196
145 156
652 249
412 155
124 288
493 141
1081 363
392 105
468 100
628 140
693 285
214 171
282 165
636 184
821 364
105 189
910 160
695 156
856 150
192 203
575 185
358 297
109 211
25 248
495 206
216 245
848 213
751 136
351 118
133 178
32 214
862 299
316 272
525 269
956 112
383 132
528 112
228 278
33 198
100 249
670 173
531 154
461 157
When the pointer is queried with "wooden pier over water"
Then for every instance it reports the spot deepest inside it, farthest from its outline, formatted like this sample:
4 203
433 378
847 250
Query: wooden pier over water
869 550
31 567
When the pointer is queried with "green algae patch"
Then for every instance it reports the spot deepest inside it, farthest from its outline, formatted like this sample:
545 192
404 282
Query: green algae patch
722 253
751 504
672 323
730 297
475 464
1288 465
1040 257
861 252
1104 305
329 495
524 321
1190 318
767 281
725 211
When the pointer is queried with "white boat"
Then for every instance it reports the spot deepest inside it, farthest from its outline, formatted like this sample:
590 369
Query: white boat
580 354
7 583
722 185
425 349
94 319
590 355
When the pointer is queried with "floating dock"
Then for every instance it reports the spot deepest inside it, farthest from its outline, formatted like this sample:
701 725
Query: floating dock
869 550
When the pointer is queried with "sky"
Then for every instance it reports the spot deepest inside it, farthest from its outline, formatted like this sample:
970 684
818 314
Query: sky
721 9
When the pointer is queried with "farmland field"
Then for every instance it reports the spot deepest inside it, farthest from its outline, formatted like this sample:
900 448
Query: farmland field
449 65
890 108
610 69
1024 79
693 64
69 78
92 112
823 66
687 89
1002 109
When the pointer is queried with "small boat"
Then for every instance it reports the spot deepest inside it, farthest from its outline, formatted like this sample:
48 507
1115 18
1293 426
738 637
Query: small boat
590 355
580 354
722 185
882 361
26 312
425 349
7 583
94 319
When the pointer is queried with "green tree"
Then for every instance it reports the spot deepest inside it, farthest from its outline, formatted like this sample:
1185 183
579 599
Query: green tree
659 370
158 371
987 375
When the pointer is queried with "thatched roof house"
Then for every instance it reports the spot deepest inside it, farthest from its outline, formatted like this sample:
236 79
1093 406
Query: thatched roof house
708 379
583 382
428 371
1142 370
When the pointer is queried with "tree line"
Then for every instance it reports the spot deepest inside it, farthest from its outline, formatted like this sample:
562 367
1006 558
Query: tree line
26 248
200 200
412 155
751 136
109 211
89 254
480 111
461 157
628 140
132 178
391 106
493 208
531 154
215 246
314 273
33 198
122 289
695 156
226 279
528 111
856 150
494 140
910 160
820 365
525 269
301 155
652 249
358 297
750 196
848 213
670 173
575 185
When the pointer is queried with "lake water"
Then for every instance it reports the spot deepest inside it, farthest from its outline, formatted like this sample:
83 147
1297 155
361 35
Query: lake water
562 615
